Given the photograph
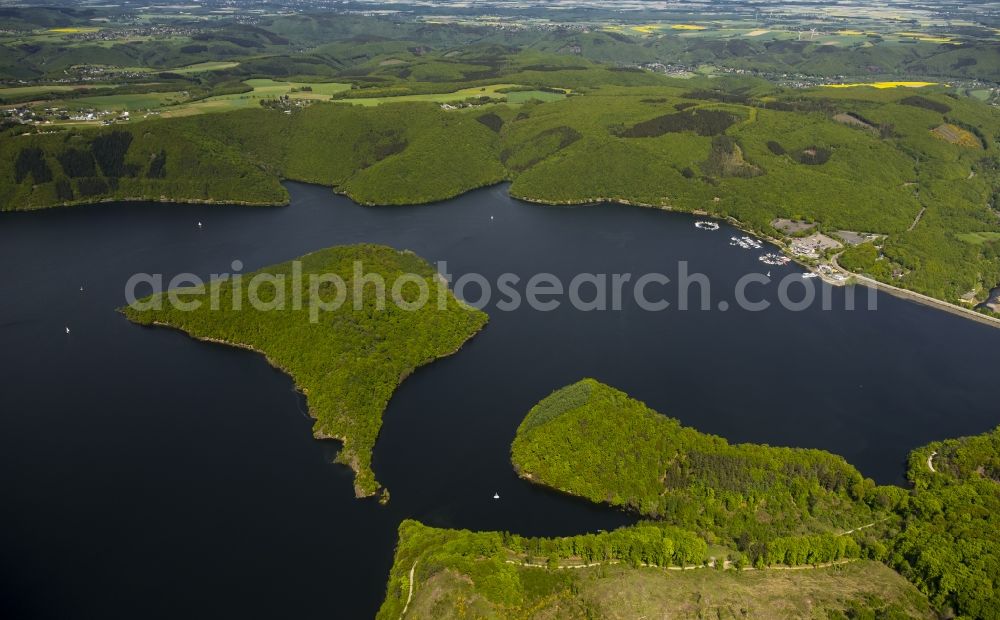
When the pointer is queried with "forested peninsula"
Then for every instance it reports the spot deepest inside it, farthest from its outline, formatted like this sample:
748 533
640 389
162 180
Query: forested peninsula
737 530
347 360
777 505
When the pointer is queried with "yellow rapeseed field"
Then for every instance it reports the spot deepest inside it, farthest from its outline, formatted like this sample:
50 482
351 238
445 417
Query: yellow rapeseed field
72 30
883 84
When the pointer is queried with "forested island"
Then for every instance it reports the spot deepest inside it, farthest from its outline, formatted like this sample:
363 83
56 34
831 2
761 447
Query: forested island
347 360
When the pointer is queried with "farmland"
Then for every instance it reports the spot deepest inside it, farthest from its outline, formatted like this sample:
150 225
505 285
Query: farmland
261 89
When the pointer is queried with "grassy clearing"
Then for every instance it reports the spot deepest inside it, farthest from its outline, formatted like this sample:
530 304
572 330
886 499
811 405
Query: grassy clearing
493 91
820 593
131 102
533 95
29 91
979 238
919 36
203 67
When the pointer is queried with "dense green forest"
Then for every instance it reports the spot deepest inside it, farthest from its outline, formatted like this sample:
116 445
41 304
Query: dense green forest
406 153
949 545
347 360
591 440
594 441
441 573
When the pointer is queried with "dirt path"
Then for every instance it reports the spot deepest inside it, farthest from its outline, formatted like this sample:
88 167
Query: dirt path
930 462
865 526
726 565
916 220
409 595
611 563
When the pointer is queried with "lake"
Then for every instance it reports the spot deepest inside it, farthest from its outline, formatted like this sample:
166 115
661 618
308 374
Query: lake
145 474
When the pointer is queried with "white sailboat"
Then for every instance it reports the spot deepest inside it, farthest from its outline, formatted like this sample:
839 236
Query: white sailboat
67 330
496 496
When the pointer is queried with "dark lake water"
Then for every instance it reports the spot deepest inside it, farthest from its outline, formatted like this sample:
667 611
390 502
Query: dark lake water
144 474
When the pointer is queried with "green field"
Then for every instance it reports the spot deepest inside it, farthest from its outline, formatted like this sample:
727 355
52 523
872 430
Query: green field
204 66
493 90
523 96
28 91
132 102
262 89
979 238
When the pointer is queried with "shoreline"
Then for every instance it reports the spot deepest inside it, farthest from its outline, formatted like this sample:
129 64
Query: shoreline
317 434
926 300
851 278
131 200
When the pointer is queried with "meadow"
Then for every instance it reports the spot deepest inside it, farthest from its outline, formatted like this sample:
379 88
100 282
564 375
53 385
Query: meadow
17 92
123 102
